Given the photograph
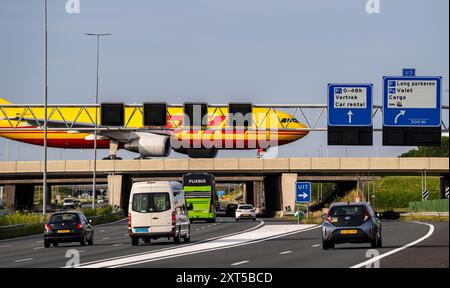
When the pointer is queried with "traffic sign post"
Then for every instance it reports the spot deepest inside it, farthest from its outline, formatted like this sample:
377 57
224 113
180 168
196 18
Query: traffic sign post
412 110
350 114
303 195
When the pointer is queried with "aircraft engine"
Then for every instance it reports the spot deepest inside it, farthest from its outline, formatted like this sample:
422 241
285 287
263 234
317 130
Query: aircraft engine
150 145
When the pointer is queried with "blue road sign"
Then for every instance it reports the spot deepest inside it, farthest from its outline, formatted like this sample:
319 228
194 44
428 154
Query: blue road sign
409 72
303 192
412 101
350 104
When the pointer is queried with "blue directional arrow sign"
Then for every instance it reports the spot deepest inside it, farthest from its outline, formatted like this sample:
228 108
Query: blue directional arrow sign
303 192
412 101
350 104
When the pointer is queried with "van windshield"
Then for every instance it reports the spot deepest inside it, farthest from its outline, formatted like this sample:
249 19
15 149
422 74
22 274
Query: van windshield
151 202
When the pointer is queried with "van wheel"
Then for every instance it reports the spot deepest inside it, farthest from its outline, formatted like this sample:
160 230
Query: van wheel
176 238
147 240
134 241
46 244
187 238
55 244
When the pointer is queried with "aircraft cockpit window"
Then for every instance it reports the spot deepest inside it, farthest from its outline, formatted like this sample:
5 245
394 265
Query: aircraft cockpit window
289 120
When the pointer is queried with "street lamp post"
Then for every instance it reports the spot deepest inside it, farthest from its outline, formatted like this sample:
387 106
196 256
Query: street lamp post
94 176
44 182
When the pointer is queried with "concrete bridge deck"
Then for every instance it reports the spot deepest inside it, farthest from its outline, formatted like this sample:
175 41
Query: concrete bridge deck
387 166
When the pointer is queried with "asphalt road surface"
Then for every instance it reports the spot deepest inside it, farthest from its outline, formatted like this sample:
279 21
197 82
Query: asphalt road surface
246 244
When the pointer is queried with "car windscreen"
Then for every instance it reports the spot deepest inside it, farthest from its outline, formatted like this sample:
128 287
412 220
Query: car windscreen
64 218
151 202
69 201
246 207
341 211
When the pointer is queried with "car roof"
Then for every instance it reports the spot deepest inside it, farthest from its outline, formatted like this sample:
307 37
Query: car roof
68 212
336 204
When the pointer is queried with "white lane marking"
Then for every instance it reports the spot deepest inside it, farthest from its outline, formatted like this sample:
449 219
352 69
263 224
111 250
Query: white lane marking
378 258
102 231
125 234
23 260
37 248
6 246
203 227
42 241
106 238
317 245
187 245
261 234
240 263
81 251
118 244
285 252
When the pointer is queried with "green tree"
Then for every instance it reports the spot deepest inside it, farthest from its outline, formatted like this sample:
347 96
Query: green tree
426 151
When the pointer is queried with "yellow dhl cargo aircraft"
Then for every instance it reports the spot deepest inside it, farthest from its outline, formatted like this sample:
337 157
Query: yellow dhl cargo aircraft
274 128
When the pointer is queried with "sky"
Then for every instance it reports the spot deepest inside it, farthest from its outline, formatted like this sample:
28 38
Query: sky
259 51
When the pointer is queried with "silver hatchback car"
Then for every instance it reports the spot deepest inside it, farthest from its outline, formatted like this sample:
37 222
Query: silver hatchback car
351 223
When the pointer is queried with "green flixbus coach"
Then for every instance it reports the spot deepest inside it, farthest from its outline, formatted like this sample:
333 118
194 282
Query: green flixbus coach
199 190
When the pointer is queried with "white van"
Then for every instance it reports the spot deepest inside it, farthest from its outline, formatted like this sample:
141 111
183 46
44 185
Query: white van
157 209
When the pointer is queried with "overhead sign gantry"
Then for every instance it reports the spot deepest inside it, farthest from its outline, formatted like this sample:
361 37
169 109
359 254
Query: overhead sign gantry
412 110
350 114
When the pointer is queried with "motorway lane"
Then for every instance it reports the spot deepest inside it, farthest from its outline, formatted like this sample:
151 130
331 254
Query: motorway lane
110 241
432 252
304 249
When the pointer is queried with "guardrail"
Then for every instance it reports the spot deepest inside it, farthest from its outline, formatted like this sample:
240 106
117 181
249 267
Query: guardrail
439 205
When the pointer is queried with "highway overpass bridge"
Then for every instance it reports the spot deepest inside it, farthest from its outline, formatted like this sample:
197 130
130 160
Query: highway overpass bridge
267 182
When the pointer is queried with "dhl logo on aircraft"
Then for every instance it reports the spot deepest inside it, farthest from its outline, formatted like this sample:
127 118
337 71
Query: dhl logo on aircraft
70 127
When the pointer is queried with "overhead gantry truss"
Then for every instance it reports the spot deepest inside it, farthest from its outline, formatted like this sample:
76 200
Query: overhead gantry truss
82 117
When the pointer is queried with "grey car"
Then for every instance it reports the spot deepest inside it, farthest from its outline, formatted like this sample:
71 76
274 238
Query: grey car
351 223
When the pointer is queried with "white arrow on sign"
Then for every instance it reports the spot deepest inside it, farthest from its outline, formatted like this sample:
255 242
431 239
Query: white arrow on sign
350 114
402 113
304 195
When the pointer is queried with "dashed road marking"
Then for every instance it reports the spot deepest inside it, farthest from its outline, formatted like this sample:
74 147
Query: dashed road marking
285 252
23 260
240 263
317 245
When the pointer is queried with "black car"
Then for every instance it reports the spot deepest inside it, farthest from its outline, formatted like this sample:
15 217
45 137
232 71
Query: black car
64 227
231 210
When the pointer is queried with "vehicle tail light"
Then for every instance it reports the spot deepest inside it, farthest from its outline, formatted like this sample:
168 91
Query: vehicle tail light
174 219
78 226
129 220
366 215
48 228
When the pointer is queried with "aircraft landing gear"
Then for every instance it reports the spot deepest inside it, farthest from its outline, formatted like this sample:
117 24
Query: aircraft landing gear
260 153
113 147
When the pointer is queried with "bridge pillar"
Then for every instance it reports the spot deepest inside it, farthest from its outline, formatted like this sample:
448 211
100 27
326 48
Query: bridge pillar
272 194
19 196
444 186
119 188
288 188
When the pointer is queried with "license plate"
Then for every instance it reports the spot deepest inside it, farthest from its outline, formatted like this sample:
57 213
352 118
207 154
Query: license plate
63 231
142 230
349 232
